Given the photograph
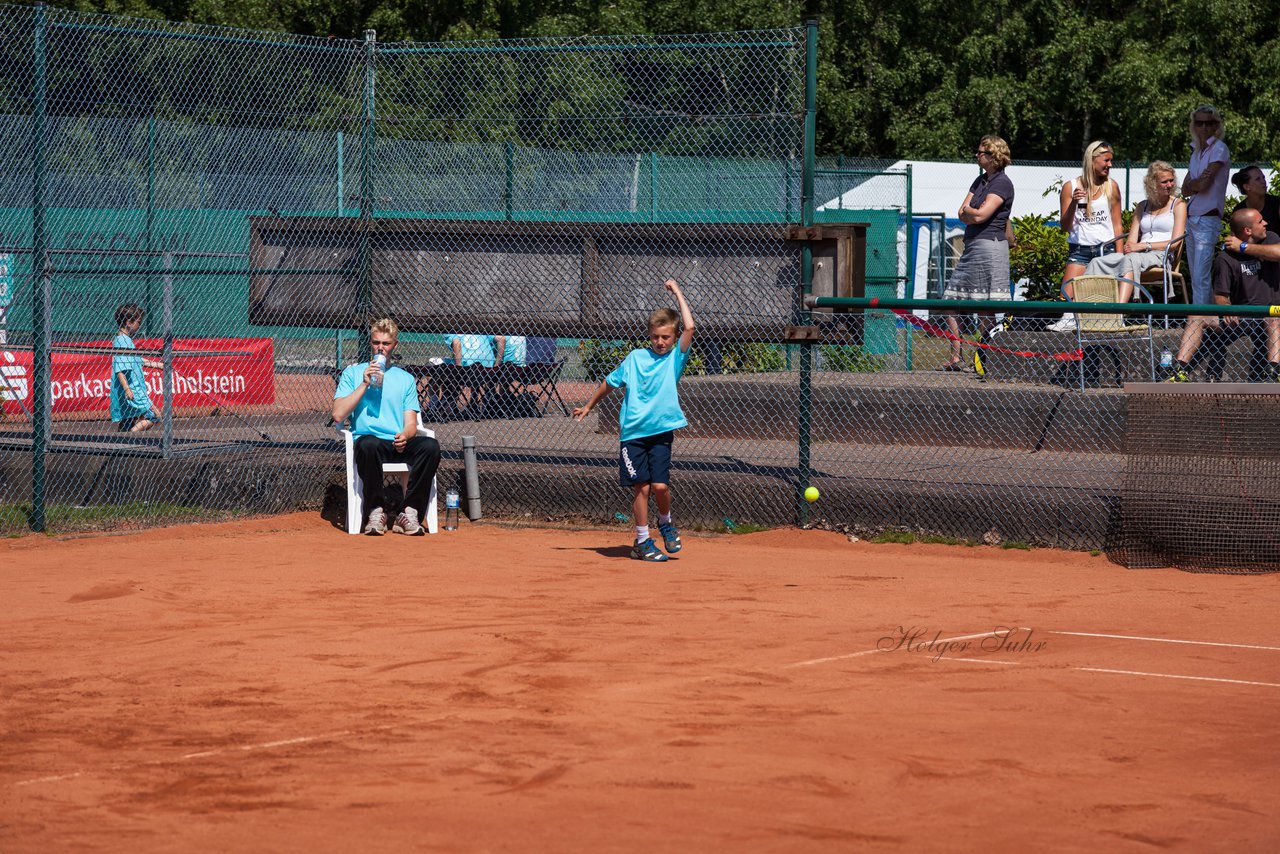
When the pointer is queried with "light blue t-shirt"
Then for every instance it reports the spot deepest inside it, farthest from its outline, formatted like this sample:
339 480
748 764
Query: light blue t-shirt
652 403
121 406
514 354
381 411
476 349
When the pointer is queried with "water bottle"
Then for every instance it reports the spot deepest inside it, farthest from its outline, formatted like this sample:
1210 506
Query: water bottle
451 510
1166 358
380 362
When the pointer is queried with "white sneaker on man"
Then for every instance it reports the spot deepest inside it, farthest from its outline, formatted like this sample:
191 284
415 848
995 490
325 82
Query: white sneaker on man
377 524
1066 324
407 523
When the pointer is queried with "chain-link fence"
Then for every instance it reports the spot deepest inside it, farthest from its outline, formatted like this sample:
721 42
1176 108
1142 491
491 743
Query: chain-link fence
515 206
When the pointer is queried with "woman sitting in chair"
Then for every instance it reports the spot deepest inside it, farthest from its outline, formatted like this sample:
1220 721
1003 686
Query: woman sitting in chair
1158 220
1253 185
1090 208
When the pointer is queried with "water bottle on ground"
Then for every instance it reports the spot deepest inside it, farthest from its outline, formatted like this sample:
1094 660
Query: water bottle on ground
451 510
1166 358
380 361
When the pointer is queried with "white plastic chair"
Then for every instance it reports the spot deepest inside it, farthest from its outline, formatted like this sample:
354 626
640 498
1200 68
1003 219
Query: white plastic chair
355 486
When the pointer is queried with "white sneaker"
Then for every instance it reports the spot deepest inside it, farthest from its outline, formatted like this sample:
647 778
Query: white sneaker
1066 324
377 524
407 523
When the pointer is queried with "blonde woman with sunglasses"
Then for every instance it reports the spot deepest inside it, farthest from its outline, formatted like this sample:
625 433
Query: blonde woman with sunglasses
1206 190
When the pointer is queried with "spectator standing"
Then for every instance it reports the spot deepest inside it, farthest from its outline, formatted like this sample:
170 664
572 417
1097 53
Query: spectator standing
1205 188
1090 215
982 272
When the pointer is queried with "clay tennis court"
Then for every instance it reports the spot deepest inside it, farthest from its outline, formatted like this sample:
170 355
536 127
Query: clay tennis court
277 685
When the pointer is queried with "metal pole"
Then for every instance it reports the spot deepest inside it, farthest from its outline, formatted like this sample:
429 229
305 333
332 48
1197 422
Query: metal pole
510 190
364 287
339 205
471 477
806 267
166 439
149 304
1128 309
653 186
41 368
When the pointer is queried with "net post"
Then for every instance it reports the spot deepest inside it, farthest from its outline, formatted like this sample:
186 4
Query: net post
166 438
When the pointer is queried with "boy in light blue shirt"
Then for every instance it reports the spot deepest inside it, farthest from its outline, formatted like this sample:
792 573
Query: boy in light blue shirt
650 415
383 407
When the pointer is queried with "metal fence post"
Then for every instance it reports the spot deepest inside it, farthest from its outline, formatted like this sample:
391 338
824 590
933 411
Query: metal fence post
805 417
364 287
166 438
41 368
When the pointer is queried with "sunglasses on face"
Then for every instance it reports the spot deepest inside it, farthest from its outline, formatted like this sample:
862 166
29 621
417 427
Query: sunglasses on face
1206 123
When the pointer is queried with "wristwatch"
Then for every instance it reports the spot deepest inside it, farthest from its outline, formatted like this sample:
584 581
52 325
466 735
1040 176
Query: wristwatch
1244 244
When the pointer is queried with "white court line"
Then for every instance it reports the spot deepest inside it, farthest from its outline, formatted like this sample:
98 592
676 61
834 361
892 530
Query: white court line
1166 640
55 778
991 633
1176 676
262 745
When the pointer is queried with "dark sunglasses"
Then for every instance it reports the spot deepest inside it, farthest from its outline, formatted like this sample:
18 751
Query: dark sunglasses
1207 123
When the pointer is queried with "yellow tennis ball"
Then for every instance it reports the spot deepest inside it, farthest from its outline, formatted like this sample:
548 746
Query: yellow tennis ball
811 494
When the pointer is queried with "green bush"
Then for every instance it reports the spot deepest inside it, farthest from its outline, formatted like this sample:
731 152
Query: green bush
850 360
1040 256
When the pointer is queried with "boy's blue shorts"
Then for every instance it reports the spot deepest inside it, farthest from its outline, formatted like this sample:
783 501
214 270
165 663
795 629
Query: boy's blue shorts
646 460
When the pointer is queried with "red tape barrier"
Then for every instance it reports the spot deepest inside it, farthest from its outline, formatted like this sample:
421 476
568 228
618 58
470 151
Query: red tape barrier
939 332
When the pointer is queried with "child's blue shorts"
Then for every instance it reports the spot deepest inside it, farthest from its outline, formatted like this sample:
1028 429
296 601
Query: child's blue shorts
646 460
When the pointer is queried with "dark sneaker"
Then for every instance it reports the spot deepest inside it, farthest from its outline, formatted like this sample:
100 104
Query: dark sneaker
647 551
377 524
407 523
670 537
1178 375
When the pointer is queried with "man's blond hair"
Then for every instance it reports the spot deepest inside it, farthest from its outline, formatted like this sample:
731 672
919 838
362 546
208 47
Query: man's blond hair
386 326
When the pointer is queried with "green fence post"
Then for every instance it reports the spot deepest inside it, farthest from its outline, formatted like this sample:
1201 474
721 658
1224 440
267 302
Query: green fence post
806 266
364 287
909 281
40 308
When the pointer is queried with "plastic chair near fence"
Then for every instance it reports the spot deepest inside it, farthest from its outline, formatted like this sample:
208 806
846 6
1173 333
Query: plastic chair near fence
1166 276
355 486
1104 331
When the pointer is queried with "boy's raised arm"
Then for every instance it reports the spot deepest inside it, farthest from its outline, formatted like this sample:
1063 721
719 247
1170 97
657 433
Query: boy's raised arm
686 316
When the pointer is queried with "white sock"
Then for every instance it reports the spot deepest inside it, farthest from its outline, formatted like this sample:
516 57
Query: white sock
664 518
642 533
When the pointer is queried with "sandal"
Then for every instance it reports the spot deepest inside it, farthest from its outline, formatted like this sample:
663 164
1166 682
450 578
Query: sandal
950 366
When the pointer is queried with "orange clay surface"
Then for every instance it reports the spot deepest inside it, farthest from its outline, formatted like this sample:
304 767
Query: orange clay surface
276 685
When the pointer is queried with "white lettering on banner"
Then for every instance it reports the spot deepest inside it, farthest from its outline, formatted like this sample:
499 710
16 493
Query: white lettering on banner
79 388
200 383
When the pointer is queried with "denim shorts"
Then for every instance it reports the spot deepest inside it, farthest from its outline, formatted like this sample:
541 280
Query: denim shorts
1077 254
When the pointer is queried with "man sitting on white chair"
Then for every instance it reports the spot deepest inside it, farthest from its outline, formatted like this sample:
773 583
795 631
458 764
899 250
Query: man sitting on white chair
383 407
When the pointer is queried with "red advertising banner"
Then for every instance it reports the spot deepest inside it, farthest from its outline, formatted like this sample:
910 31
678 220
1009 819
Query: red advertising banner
212 371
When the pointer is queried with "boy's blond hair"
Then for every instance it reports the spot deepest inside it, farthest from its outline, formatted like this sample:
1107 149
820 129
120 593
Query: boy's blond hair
387 326
663 317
